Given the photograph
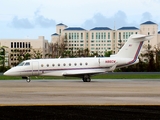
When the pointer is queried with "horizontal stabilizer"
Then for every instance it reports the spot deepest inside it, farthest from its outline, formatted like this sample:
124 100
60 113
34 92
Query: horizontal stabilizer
137 36
140 38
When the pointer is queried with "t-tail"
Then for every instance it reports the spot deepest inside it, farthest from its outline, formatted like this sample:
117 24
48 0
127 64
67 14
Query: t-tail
132 47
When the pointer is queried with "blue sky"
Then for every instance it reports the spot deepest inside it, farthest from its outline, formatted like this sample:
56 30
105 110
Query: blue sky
33 18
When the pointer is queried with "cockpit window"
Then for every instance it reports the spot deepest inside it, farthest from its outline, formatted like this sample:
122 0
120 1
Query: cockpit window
27 63
21 64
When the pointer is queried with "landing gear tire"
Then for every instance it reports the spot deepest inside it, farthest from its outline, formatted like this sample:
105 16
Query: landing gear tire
28 79
86 78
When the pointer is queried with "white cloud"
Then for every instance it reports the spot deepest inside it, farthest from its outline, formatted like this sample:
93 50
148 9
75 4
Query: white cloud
89 13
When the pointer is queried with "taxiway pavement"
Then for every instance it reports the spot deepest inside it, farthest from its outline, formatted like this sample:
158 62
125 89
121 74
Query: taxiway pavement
76 92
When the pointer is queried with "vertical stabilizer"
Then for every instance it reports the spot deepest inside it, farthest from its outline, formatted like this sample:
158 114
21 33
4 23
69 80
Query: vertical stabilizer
132 47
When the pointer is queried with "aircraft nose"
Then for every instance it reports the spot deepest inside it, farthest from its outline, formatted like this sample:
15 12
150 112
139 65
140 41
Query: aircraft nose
6 73
9 73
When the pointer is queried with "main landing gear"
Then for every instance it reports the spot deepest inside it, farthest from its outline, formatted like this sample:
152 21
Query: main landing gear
27 79
86 78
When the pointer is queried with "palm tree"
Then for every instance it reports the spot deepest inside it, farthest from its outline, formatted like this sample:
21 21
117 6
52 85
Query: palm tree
2 57
107 53
86 52
149 55
37 54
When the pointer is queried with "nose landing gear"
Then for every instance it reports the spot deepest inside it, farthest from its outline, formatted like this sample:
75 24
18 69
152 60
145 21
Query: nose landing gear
27 79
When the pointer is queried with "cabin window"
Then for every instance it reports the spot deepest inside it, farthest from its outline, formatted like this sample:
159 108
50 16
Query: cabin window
69 64
47 65
86 63
27 63
58 64
80 63
75 64
64 64
53 65
41 65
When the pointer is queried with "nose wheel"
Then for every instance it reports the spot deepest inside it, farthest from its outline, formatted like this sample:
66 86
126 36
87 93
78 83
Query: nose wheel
28 79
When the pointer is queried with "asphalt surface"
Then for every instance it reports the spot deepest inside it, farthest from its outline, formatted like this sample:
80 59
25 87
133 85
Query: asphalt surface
74 99
76 92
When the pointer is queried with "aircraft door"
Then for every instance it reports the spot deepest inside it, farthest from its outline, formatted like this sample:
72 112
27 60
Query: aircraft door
35 68
99 61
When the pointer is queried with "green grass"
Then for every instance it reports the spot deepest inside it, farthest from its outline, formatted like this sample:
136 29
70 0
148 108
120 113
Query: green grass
102 76
128 76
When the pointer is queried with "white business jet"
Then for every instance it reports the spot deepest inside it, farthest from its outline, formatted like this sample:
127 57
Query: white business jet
81 67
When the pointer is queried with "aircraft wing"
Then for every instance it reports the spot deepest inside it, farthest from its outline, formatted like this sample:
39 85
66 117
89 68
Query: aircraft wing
82 72
88 71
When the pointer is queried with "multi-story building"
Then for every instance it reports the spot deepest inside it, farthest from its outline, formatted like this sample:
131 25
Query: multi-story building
102 39
19 47
96 40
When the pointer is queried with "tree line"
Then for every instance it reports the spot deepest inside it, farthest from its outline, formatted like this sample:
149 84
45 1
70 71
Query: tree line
149 61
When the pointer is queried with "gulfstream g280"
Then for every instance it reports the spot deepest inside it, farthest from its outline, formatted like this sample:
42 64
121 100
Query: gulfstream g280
81 67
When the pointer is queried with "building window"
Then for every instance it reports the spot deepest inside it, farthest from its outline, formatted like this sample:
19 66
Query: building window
92 35
23 45
11 44
69 35
81 35
114 36
14 44
17 44
74 35
26 45
60 31
104 35
81 44
123 35
101 35
87 36
96 35
119 35
108 35
20 44
126 35
81 41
